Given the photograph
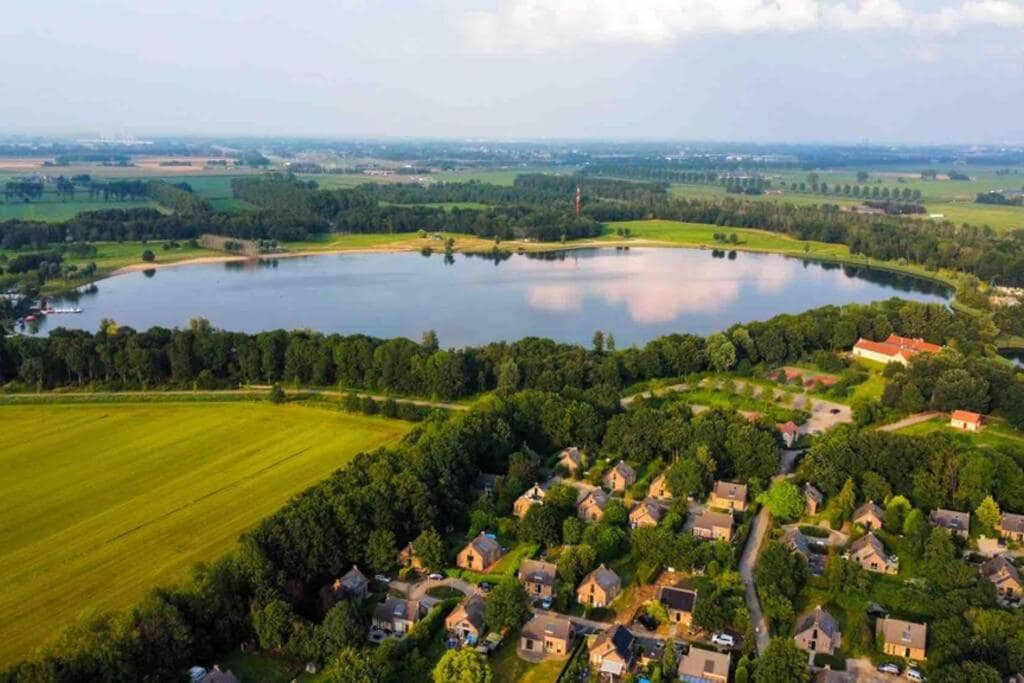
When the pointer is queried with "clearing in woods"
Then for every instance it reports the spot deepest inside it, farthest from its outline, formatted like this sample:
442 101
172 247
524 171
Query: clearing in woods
102 502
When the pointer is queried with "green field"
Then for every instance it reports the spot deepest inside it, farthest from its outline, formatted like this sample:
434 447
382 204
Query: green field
55 211
102 502
996 433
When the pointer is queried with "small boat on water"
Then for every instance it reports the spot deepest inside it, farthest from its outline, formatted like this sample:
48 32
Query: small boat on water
61 311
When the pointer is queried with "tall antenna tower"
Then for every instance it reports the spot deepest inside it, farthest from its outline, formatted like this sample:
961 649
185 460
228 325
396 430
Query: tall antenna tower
579 201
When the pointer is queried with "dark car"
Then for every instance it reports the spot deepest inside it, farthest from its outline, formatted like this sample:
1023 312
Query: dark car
648 622
485 587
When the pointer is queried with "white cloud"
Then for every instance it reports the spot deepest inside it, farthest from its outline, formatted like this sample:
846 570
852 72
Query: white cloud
551 25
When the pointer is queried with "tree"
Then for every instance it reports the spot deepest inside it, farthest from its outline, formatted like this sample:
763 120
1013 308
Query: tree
381 554
429 341
896 511
462 666
781 661
988 514
508 606
669 659
508 377
542 524
575 561
148 256
599 342
273 624
277 394
784 500
721 352
341 628
351 666
429 548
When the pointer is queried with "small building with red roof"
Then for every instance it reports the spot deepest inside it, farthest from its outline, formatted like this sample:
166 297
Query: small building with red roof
966 420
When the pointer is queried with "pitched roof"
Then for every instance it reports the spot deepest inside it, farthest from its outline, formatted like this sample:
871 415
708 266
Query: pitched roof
677 598
538 571
470 609
572 454
967 416
604 577
484 544
789 427
812 492
730 490
620 639
354 579
918 344
950 519
698 663
552 626
711 520
868 539
649 507
597 496
624 470
219 675
869 508
905 633
820 619
397 608
796 541
1011 522
999 567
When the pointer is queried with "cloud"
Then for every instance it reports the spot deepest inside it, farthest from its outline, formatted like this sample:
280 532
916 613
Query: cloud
554 25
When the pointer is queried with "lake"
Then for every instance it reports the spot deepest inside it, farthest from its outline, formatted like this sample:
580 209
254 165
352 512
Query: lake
635 294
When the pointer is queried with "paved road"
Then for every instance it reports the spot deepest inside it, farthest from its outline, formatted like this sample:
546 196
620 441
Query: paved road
748 560
909 421
419 590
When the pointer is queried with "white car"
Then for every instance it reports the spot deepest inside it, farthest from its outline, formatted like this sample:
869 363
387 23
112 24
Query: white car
914 675
723 640
889 668
383 578
436 577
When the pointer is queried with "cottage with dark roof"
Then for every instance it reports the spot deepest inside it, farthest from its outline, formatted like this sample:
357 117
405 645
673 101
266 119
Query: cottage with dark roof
869 552
869 516
678 603
466 621
728 496
591 506
533 496
479 554
1011 526
599 587
612 653
817 631
645 513
538 578
620 477
1004 575
396 615
958 523
902 638
813 498
713 526
571 460
704 666
546 635
659 488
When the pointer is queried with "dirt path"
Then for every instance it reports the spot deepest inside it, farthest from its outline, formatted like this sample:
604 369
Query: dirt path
909 421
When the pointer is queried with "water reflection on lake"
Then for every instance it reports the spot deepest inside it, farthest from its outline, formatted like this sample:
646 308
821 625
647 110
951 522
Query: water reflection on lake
635 294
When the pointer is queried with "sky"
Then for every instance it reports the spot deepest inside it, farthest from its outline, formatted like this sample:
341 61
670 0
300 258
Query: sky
890 71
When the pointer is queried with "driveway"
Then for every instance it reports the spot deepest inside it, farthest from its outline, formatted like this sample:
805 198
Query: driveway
909 421
417 591
825 415
748 560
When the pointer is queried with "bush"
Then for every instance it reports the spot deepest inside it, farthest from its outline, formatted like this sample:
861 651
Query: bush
814 531
148 256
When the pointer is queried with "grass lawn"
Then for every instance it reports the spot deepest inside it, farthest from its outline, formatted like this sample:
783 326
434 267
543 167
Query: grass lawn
507 667
996 432
260 667
508 564
55 211
102 502
850 610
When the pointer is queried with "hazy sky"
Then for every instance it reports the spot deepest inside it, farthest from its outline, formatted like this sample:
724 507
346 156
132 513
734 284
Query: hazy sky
771 70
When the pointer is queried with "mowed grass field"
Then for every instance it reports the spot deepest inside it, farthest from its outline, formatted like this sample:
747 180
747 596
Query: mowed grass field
101 502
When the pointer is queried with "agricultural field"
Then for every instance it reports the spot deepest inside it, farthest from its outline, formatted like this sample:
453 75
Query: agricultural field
102 502
51 210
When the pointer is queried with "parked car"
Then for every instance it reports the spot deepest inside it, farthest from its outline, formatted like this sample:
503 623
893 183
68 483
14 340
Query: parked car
723 640
545 603
435 577
485 587
648 622
383 578
889 668
914 674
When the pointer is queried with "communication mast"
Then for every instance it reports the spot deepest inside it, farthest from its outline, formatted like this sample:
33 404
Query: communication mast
579 201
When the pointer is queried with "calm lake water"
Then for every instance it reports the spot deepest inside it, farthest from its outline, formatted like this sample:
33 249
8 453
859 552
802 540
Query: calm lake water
635 294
